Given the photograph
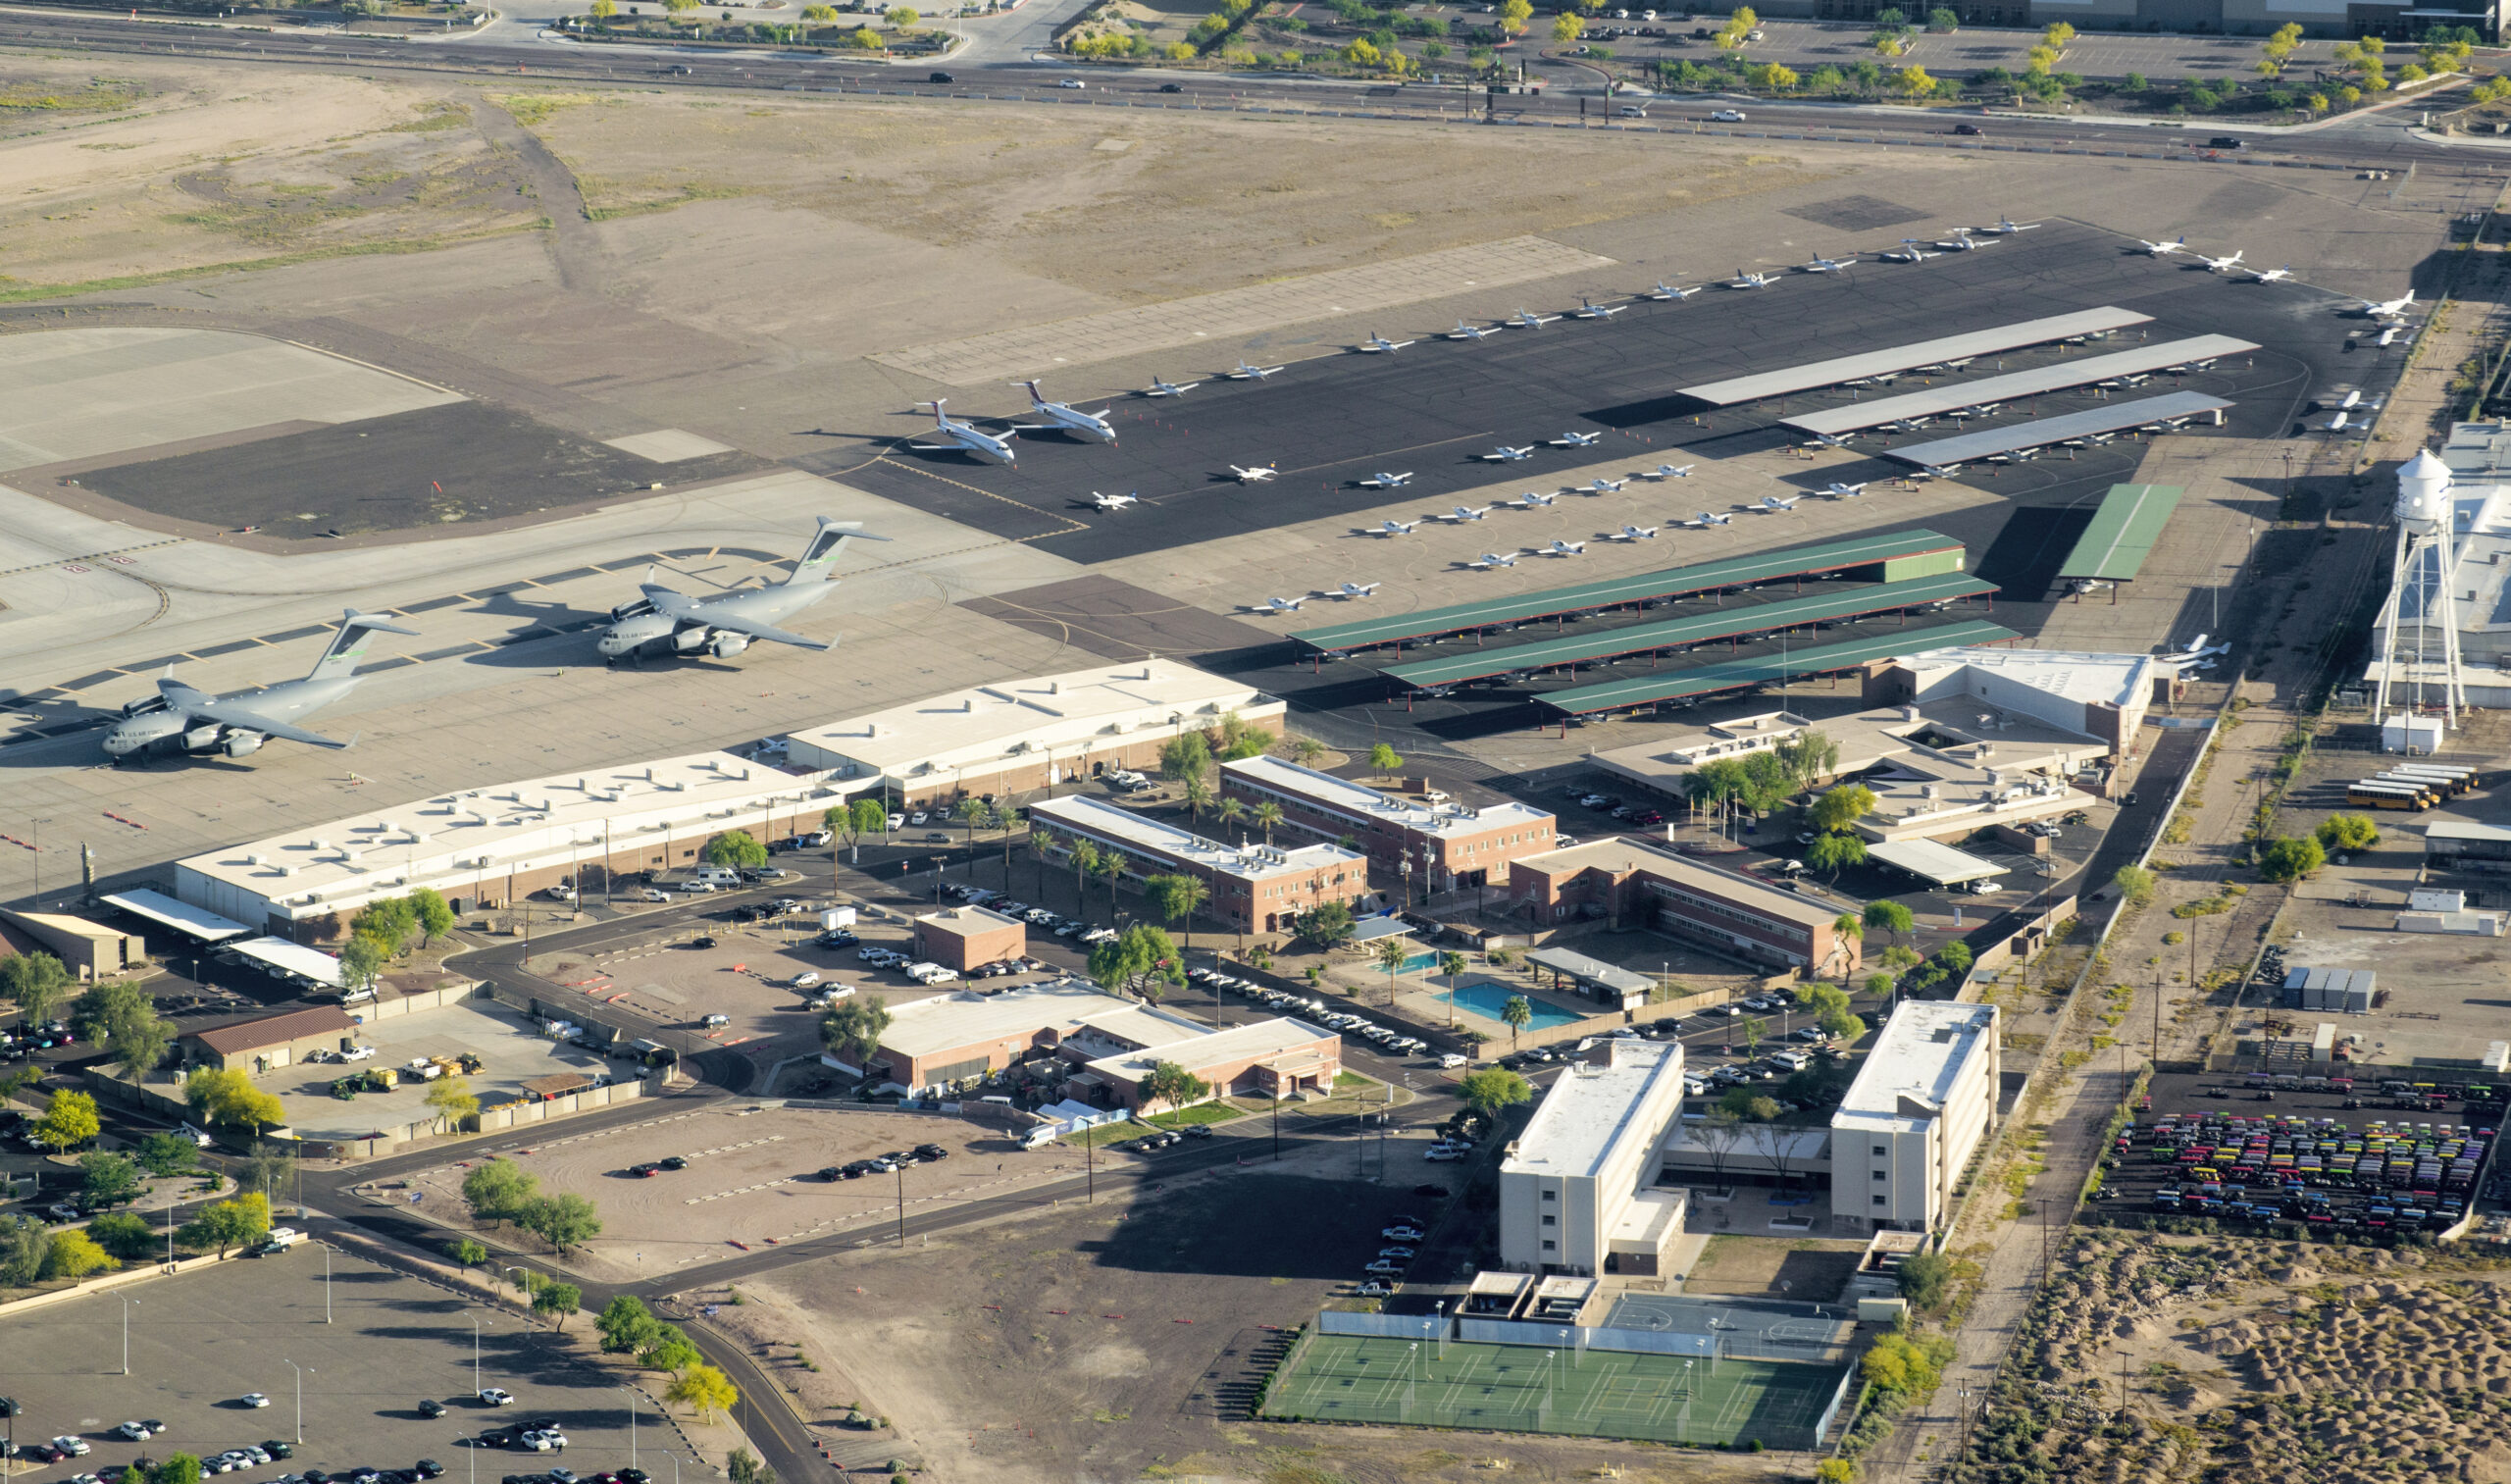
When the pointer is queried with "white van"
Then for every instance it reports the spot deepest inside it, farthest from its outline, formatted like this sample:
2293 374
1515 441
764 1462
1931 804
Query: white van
1040 1137
715 876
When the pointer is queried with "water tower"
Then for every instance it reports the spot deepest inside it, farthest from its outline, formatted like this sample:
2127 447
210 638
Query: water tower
2422 572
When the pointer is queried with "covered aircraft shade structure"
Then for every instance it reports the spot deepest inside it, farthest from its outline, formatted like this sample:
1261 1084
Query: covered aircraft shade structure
2123 531
2040 433
1936 401
1901 555
1872 363
1826 607
1761 669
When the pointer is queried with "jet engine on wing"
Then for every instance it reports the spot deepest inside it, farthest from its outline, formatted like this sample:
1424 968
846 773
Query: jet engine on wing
726 645
241 743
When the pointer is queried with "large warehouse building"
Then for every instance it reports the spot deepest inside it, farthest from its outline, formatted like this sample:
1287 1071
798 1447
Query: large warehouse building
1575 1192
1021 735
1445 846
1636 884
1926 1097
505 842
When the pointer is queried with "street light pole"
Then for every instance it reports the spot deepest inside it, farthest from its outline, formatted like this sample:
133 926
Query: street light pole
326 1283
127 1303
300 1397
632 1424
475 1352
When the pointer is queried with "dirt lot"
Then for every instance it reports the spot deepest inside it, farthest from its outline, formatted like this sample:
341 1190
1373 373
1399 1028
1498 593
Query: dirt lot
1805 1268
1071 1345
752 1178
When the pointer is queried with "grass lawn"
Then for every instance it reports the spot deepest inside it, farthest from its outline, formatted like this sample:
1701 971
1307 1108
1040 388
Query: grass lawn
1200 1112
1102 1135
1352 1082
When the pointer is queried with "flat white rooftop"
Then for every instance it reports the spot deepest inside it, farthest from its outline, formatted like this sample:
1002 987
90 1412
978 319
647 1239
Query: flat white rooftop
1930 861
1069 1007
1012 722
312 963
1976 343
160 908
2040 433
1953 396
1920 1056
1124 827
1622 855
459 840
2119 679
1257 1040
1591 1110
1364 803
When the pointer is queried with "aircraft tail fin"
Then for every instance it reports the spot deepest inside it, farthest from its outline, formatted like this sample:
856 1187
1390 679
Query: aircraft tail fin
341 659
826 543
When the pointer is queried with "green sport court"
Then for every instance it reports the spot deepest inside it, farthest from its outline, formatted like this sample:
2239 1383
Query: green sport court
1521 1388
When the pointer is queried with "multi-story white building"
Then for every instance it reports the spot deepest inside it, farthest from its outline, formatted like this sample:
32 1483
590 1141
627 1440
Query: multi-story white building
1575 1192
1926 1097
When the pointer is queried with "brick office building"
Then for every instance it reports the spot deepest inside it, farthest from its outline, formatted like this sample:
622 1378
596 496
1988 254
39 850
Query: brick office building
961 937
1638 884
1256 889
1448 846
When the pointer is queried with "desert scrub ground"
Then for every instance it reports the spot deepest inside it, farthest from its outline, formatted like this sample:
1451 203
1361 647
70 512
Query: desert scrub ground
2152 1359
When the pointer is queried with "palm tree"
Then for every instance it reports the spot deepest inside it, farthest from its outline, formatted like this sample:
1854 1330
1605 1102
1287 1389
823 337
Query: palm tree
1199 797
1305 751
1111 870
1042 843
1390 958
1179 896
1085 864
1516 1015
1232 811
1268 814
1006 819
1451 964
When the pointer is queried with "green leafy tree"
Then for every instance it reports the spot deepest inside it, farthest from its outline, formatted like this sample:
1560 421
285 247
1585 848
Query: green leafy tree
1842 807
122 1016
180 1468
604 10
433 914
1178 897
167 1153
23 1245
1384 760
2347 832
451 1100
626 1326
389 921
1828 1006
1835 853
558 1301
1185 755
499 1190
70 1122
1170 1082
36 982
1742 1103
904 17
819 15
1140 960
1944 20
227 1097
669 1349
1491 1088
562 1221
2289 859
1890 917
703 1389
125 1235
853 1027
270 1170
744 1468
1516 1014
74 1255
225 1224
2135 885
471 1254
734 848
1328 925
1515 15
107 1179
1569 27
362 962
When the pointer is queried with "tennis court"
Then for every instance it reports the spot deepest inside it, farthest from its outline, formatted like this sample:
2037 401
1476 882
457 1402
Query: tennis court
1760 1329
1524 1388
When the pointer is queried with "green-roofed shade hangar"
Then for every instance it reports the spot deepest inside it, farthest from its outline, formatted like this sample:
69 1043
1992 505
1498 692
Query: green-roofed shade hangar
1761 669
1700 628
1902 554
2123 531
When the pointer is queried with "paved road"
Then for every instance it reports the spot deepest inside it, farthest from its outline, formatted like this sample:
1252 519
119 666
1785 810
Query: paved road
2372 142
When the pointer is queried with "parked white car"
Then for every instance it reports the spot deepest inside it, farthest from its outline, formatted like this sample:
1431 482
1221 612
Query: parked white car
1454 1059
358 1053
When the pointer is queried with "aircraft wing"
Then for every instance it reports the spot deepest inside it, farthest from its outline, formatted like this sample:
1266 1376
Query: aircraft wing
237 714
717 618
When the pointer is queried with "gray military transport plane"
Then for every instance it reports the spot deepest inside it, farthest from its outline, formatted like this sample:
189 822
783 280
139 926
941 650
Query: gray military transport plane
179 718
668 622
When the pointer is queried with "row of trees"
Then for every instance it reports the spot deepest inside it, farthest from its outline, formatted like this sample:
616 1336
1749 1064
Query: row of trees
121 1014
382 931
628 1328
501 1192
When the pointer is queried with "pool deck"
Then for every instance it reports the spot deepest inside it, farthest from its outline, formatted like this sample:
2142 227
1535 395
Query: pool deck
1426 998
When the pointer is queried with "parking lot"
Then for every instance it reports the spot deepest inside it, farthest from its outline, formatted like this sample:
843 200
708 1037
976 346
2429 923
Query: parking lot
753 1179
199 1342
511 1049
2363 1156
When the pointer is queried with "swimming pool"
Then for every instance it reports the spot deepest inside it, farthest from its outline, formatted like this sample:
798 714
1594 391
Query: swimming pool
1487 998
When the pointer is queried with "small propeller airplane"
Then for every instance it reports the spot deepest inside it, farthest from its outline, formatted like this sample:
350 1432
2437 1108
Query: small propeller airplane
1395 528
1671 472
1840 491
1634 534
1667 291
1491 559
1963 241
1827 265
2162 249
1743 279
1246 373
1387 481
1256 476
1602 485
1934 471
1113 501
1464 331
1462 513
2221 265
1505 454
1527 319
1560 547
1279 605
1909 252
1705 519
1351 591
1161 388
1376 343
1589 308
2007 226
965 438
1532 500
1576 439
2270 274
1776 503
1060 418
2384 308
